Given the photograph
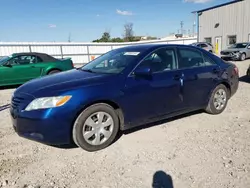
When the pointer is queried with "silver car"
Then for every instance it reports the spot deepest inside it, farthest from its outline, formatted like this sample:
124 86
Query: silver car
238 51
205 45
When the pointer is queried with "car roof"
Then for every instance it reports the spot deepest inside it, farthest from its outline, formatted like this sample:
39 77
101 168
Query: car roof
151 46
43 56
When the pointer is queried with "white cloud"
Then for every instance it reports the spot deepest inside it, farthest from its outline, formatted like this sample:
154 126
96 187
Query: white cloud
124 12
197 1
52 26
97 15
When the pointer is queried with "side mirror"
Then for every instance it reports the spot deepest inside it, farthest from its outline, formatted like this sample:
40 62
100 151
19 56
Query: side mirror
143 71
248 47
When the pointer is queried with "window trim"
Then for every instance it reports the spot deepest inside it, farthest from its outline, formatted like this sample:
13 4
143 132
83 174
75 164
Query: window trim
228 36
131 74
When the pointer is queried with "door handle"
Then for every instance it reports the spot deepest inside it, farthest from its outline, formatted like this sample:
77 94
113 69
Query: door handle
177 77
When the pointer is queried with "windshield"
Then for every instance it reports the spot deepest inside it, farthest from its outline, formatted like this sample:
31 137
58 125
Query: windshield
113 62
239 45
3 59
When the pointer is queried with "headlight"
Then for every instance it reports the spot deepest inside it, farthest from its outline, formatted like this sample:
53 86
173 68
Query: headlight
47 102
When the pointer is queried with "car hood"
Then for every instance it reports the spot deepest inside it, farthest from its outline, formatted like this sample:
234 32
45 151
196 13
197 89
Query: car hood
233 49
63 81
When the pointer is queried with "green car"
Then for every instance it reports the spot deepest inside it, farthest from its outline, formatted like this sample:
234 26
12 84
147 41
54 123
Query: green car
22 67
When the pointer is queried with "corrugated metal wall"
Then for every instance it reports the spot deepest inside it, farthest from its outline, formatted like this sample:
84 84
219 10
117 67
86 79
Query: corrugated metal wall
79 52
233 19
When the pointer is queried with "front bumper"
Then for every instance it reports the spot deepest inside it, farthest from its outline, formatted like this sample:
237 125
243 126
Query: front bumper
49 126
51 130
231 55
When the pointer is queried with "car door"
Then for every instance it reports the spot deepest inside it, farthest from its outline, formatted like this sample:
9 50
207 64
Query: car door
156 95
200 76
20 69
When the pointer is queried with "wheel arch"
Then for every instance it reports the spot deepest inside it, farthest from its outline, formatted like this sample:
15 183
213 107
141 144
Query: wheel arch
111 103
227 86
52 69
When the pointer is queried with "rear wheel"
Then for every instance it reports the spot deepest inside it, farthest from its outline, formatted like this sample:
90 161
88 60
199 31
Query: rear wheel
53 72
218 100
96 127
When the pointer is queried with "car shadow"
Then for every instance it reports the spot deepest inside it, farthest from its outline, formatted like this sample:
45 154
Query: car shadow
146 126
9 87
162 180
245 79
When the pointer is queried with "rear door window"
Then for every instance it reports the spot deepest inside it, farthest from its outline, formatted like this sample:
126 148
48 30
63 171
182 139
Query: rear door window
189 58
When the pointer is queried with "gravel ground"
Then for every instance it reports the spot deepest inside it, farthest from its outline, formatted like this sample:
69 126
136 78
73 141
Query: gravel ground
199 150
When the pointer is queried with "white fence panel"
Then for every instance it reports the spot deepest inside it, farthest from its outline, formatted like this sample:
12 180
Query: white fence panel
71 49
7 50
79 52
99 49
53 50
81 59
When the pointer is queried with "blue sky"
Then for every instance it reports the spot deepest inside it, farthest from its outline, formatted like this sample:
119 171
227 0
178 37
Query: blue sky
86 20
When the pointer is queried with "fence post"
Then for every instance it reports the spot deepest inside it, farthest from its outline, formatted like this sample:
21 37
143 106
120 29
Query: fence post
88 53
61 51
30 48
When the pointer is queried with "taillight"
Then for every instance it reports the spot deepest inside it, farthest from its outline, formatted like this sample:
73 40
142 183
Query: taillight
236 71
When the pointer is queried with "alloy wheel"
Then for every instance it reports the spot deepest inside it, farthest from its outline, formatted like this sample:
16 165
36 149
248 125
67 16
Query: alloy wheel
220 99
98 128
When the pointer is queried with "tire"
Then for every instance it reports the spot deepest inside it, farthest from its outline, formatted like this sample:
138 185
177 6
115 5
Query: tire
248 73
53 72
242 57
211 107
91 144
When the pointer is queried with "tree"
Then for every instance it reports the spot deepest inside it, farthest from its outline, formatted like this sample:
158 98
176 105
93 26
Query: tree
128 32
105 37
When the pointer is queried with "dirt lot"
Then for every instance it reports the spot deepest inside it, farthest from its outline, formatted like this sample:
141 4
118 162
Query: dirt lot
200 151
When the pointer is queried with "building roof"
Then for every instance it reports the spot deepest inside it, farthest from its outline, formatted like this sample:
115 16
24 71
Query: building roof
218 6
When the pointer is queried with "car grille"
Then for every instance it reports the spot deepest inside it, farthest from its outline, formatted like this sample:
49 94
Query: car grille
16 101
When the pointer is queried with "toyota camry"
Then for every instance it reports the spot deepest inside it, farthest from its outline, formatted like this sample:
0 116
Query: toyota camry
122 89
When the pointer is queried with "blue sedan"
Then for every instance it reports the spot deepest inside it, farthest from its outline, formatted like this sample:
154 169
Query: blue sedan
121 89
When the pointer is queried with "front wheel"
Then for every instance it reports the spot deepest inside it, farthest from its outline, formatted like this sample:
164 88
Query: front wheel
218 100
243 57
96 127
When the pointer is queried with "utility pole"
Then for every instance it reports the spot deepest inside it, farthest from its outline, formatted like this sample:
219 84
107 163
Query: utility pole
69 37
194 24
182 27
